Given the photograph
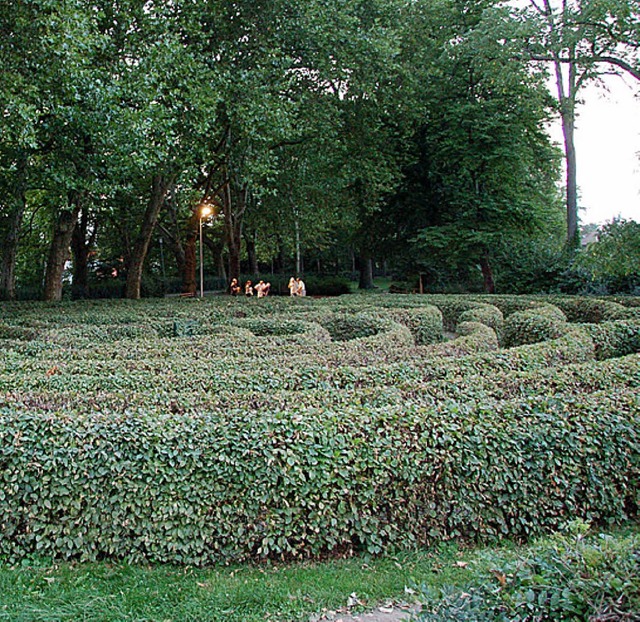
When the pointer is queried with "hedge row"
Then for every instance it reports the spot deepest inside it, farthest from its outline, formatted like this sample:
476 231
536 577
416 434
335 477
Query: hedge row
194 431
231 486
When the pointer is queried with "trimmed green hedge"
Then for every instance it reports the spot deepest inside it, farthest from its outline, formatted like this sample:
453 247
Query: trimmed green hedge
233 485
425 323
292 428
573 575
534 325
486 314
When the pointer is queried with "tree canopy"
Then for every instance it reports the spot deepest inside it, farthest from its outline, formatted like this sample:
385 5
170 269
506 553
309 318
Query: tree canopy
341 133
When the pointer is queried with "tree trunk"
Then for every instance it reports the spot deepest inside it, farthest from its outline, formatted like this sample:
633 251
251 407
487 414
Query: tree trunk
160 185
81 247
10 252
190 265
366 272
487 273
250 241
233 217
222 270
173 235
59 251
568 126
12 235
80 282
189 282
216 247
567 100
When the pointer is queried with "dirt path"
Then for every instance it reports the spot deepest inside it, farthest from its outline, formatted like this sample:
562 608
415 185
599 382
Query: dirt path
389 613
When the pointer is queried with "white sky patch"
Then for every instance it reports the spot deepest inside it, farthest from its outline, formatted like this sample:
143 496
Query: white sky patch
607 142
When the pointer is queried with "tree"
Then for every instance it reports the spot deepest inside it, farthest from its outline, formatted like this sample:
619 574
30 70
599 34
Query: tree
486 169
583 40
23 59
614 258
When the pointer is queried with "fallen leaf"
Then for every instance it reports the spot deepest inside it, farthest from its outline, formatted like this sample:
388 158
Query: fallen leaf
502 579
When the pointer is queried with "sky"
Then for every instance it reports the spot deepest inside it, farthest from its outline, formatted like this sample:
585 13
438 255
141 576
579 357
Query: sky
607 140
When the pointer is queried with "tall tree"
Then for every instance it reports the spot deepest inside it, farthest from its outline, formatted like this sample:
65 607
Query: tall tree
24 59
486 168
583 40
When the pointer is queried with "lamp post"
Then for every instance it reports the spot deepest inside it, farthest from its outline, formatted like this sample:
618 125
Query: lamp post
205 212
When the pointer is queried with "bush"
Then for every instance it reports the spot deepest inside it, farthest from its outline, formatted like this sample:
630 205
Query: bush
290 429
344 327
614 339
534 325
592 310
473 338
327 286
571 576
425 323
486 314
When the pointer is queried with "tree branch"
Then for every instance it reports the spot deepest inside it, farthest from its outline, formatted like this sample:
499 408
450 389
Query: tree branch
618 62
612 60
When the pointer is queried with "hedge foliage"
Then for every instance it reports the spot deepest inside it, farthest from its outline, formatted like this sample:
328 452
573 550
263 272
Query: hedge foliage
198 431
574 575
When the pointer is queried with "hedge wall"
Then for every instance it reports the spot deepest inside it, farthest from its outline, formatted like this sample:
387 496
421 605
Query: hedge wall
193 432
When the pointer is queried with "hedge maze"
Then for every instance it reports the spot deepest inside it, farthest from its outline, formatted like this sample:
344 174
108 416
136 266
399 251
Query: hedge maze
195 432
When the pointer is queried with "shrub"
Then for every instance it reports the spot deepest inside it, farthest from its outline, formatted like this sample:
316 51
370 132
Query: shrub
473 338
344 327
534 325
452 307
425 323
614 339
264 327
256 436
571 576
486 314
592 310
327 286
16 332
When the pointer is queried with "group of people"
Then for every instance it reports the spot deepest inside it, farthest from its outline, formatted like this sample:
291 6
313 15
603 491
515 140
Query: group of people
261 289
297 287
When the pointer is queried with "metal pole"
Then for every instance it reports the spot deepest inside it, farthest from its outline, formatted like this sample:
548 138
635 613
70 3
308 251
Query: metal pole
201 266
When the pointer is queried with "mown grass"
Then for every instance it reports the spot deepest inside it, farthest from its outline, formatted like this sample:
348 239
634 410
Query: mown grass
106 592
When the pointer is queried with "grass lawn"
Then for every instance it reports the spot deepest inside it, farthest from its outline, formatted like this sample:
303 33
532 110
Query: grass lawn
119 592
105 592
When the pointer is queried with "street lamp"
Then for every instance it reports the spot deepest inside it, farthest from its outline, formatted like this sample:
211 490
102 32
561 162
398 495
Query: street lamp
205 212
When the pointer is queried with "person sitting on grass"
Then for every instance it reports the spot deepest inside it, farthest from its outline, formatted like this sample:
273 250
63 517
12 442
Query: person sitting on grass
248 289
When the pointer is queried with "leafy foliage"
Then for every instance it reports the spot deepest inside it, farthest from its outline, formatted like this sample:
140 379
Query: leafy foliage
613 259
290 428
572 576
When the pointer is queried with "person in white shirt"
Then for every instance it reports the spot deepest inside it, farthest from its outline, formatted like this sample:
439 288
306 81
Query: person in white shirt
301 287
